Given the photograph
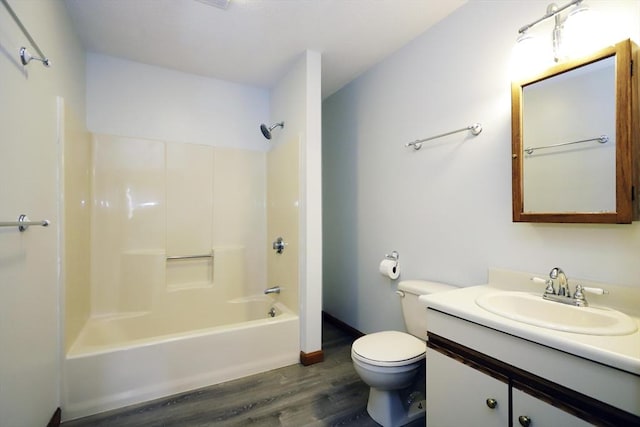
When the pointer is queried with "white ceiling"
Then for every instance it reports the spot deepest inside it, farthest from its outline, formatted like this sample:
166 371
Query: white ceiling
254 42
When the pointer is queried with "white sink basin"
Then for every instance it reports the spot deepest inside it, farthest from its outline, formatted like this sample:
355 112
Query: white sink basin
533 310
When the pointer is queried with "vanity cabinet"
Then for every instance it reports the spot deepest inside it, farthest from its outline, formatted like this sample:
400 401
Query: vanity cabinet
461 394
529 411
465 386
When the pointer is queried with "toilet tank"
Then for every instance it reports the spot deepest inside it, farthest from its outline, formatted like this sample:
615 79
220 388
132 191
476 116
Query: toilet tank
413 311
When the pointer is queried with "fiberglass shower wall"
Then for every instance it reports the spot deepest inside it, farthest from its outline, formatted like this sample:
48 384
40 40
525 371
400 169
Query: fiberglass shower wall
76 220
283 195
154 200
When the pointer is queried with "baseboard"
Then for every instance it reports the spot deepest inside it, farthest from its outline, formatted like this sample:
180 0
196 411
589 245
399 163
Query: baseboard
318 356
56 418
310 358
341 325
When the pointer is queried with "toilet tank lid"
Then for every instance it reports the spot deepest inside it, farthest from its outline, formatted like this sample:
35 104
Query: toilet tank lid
423 287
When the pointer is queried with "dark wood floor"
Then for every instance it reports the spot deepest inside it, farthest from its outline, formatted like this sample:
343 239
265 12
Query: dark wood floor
324 394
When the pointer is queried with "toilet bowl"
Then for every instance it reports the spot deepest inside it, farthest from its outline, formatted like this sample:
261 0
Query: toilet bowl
388 361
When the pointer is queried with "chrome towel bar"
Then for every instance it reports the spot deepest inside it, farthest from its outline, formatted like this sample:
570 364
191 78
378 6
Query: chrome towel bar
25 56
23 223
601 139
475 129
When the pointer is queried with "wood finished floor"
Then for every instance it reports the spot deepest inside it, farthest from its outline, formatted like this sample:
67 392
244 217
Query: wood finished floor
324 394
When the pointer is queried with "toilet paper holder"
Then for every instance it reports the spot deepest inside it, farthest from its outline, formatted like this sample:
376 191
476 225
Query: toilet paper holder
390 265
394 256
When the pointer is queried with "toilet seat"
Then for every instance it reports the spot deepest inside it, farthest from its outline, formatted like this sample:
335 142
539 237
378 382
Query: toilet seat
388 348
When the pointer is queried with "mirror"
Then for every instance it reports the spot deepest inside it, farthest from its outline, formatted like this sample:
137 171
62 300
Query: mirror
575 134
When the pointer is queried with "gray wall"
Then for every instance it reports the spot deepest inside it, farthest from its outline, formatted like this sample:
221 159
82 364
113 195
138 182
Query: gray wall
30 292
447 208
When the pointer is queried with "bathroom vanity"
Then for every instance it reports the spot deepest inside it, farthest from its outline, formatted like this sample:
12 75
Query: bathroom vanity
484 369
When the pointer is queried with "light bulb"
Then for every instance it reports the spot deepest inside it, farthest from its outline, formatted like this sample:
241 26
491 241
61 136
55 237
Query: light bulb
529 57
580 35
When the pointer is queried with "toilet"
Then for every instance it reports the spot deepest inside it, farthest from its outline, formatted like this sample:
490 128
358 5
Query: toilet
388 361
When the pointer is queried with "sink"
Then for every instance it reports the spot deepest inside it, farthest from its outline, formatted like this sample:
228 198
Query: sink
533 310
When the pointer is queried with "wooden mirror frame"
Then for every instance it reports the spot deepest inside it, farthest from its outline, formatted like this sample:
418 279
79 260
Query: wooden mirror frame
627 139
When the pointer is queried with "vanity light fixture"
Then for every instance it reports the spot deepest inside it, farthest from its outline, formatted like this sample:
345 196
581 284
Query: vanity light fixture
553 10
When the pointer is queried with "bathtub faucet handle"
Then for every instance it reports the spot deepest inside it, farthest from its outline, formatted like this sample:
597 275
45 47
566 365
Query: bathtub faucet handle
272 290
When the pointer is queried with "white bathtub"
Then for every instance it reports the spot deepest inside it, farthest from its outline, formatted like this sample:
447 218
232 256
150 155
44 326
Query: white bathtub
118 361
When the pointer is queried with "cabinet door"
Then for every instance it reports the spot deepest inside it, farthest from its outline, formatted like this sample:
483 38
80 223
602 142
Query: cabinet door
531 412
458 395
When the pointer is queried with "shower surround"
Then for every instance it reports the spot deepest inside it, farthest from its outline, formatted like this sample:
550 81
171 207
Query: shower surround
151 306
172 198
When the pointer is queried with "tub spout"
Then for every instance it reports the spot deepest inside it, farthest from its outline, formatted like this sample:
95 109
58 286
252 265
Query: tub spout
272 290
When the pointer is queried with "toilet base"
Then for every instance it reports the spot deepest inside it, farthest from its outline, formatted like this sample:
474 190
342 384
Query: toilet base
387 409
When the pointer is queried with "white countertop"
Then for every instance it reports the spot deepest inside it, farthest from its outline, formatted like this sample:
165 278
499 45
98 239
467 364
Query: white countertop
621 352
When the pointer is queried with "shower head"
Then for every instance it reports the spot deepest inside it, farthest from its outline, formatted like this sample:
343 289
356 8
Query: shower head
266 131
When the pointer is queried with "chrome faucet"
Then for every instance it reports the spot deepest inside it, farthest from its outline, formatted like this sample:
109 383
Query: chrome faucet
564 294
272 290
563 282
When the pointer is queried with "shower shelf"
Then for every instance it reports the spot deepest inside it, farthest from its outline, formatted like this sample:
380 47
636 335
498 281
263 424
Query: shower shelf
169 258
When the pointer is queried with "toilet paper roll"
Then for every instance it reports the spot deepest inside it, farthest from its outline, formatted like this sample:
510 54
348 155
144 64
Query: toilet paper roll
390 268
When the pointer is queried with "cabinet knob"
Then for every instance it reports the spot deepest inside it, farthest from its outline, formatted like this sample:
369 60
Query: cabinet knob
524 421
492 403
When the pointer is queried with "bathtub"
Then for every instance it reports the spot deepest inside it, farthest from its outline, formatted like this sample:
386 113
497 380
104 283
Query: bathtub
134 357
